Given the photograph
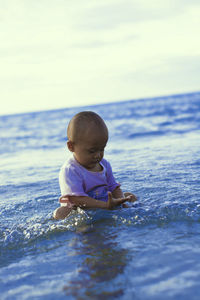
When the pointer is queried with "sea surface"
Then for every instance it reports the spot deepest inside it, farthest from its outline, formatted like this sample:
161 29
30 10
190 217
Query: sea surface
148 251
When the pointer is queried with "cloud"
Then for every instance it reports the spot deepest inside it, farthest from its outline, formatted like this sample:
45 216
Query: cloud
111 14
177 74
56 54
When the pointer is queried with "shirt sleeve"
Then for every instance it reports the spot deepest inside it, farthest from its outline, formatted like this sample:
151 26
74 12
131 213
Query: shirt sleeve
112 184
71 182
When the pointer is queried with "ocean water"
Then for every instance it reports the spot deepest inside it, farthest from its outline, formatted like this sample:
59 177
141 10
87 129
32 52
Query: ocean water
148 251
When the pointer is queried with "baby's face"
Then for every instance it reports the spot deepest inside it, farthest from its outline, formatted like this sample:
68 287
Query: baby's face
90 150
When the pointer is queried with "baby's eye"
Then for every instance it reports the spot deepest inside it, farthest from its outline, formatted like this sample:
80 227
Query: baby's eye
91 151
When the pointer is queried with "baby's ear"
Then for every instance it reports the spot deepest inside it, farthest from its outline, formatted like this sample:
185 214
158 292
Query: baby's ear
70 146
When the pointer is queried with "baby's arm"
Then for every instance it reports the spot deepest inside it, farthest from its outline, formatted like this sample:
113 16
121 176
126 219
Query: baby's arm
88 202
74 201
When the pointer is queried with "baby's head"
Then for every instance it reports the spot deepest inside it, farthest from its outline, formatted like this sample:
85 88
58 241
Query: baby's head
84 125
87 137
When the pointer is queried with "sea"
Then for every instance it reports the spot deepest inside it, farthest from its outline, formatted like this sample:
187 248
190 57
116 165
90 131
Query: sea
149 251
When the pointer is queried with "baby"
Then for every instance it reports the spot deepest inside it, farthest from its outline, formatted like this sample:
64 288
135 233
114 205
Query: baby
86 179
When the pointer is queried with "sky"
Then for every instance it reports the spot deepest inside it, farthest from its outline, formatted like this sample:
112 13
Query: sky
63 53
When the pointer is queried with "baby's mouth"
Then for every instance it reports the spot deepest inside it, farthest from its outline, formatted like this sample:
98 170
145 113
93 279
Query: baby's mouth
95 162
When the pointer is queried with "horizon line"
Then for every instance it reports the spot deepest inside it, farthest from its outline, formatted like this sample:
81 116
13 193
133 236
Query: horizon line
100 104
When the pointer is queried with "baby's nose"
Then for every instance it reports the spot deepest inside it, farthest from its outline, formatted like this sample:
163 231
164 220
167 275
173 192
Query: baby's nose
97 155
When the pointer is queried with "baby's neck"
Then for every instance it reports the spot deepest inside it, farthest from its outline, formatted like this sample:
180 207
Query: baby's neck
97 168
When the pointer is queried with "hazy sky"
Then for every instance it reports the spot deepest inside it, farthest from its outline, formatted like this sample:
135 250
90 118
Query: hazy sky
61 53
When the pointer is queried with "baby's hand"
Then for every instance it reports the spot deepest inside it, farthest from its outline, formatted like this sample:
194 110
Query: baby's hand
131 197
112 202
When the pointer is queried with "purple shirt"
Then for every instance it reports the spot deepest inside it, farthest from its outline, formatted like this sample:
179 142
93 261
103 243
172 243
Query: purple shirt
75 180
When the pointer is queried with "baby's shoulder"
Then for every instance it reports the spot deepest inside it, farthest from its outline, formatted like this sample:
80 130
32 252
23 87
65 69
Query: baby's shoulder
70 165
105 163
69 162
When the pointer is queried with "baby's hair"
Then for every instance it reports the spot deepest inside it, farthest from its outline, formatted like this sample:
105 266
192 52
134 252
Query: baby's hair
83 121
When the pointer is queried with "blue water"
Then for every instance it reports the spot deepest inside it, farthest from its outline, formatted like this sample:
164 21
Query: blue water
148 251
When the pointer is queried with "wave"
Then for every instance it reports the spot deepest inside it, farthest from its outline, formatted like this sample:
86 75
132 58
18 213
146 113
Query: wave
39 227
126 120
